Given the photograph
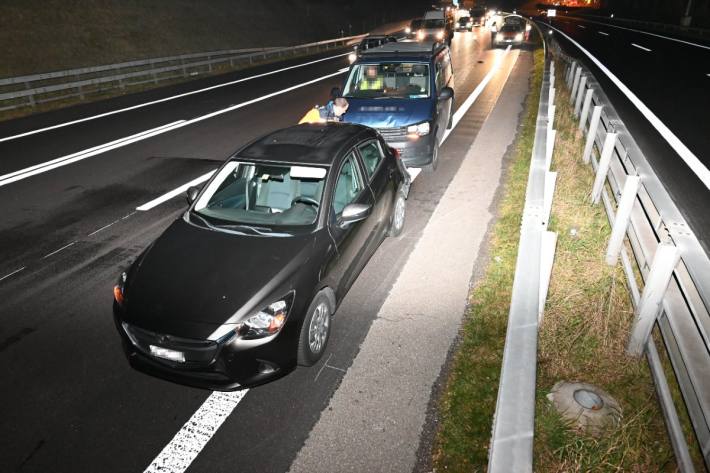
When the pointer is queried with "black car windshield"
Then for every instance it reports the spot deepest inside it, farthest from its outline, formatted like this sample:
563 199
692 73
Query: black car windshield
463 20
263 194
510 28
433 24
404 80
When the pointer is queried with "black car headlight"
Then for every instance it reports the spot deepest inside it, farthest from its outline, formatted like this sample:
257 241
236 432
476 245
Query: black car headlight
268 321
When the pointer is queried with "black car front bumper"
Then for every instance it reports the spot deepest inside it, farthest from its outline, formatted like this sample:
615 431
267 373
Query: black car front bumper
218 366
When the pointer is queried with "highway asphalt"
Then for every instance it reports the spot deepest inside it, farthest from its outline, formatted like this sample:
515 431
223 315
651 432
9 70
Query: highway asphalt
672 78
69 400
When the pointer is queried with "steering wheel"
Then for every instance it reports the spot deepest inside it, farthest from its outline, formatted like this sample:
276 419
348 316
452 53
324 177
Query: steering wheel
305 200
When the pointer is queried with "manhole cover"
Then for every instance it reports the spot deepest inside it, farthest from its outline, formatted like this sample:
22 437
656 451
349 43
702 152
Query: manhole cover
587 408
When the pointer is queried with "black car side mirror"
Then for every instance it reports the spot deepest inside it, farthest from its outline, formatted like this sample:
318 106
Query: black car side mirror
354 213
191 194
446 93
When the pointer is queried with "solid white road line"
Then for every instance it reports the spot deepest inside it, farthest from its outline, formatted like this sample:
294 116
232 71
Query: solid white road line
466 105
166 99
72 158
87 153
413 172
177 455
640 47
686 155
689 43
605 34
582 26
57 251
165 197
12 273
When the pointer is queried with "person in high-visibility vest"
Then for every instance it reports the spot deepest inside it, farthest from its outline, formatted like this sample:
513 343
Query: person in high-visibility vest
372 80
333 111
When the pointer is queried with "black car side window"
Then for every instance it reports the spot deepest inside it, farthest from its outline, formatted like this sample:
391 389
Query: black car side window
371 156
348 186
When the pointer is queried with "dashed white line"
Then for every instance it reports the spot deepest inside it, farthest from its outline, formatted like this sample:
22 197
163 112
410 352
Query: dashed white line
166 99
57 251
12 273
685 154
103 228
640 47
582 26
689 43
177 455
602 32
169 195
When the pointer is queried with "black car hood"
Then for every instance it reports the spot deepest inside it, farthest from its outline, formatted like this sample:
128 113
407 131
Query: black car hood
193 276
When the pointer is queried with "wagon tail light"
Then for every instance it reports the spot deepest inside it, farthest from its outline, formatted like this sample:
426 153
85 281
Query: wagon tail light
119 288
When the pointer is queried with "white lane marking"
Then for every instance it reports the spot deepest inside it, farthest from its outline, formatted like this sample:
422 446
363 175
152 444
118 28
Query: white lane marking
646 33
582 26
63 161
413 173
165 197
605 34
57 251
166 99
177 455
12 273
87 153
103 228
686 155
474 95
640 47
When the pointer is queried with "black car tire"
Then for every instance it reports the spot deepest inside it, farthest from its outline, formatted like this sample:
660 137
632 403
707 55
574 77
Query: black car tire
431 167
315 331
399 214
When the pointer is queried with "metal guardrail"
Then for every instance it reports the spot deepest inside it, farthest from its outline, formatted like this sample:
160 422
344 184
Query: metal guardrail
665 258
35 89
511 447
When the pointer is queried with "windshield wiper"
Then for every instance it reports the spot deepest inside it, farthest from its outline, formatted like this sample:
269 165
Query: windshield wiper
204 220
240 226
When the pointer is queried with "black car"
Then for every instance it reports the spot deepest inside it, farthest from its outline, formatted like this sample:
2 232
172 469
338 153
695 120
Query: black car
464 23
411 30
369 42
242 286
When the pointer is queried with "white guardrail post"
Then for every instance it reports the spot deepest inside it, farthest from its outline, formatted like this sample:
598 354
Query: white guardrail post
649 308
675 296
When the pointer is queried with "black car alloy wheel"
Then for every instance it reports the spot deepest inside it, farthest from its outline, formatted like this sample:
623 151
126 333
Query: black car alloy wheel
315 331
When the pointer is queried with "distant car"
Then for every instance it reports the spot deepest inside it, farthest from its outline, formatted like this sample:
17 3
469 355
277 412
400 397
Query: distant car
464 23
242 286
372 41
405 91
411 30
509 33
435 30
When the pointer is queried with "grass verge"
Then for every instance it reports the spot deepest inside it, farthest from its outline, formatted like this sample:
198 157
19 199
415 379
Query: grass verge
468 401
585 330
582 337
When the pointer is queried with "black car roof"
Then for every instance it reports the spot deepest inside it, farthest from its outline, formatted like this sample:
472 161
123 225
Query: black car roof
313 143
